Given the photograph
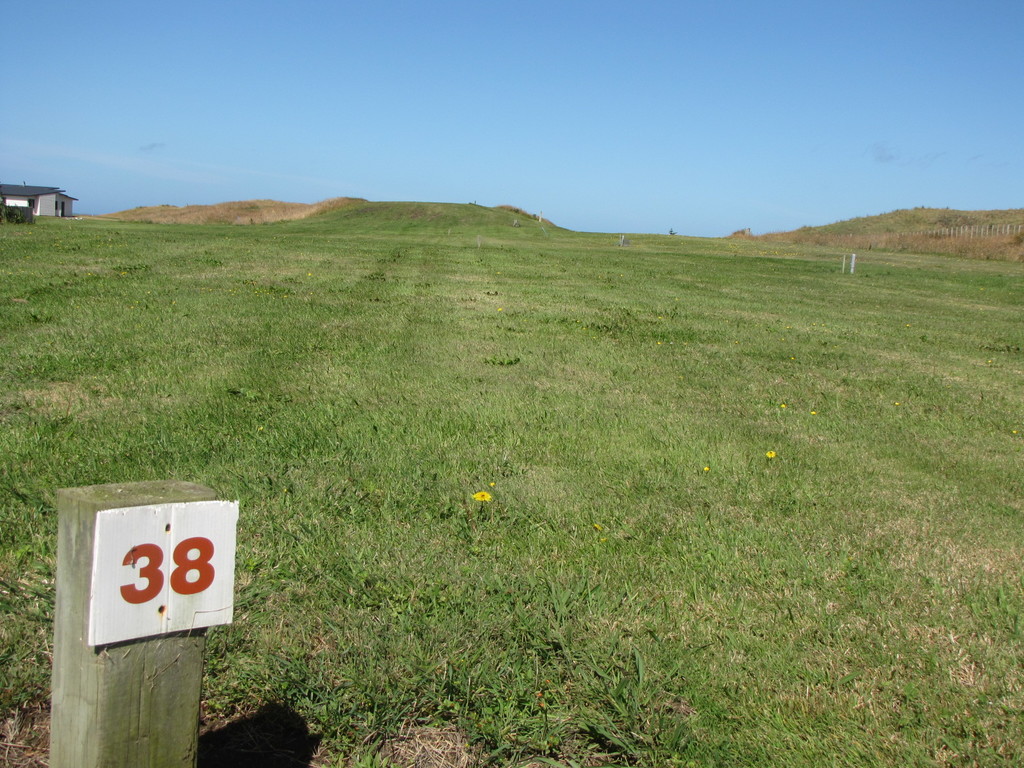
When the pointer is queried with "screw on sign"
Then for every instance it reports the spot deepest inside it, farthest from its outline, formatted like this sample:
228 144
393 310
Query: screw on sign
162 568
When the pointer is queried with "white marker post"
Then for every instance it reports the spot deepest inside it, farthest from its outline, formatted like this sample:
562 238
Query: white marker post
142 570
853 262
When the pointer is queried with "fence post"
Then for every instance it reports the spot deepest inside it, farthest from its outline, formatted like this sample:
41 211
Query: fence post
133 703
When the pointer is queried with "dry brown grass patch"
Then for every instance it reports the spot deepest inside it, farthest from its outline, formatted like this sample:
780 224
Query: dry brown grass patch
997 248
64 399
237 212
953 562
58 398
520 211
25 738
424 747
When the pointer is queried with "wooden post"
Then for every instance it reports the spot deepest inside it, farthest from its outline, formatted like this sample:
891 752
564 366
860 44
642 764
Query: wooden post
133 703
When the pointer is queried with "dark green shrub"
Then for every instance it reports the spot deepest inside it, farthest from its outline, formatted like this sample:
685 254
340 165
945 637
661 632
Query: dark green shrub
11 214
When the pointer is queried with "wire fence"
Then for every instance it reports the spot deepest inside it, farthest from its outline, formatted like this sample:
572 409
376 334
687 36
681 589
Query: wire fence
968 231
976 230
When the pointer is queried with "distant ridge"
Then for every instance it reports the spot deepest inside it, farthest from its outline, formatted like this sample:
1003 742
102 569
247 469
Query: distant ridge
237 212
917 220
355 212
995 235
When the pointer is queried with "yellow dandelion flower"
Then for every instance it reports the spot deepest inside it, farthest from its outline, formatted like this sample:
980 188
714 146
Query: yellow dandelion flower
707 469
482 496
598 527
771 454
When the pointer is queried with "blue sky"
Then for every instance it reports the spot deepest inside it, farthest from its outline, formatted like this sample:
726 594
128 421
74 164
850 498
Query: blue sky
703 117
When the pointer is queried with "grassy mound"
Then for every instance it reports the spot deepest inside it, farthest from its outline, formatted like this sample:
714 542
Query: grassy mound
920 220
352 214
237 212
989 235
392 218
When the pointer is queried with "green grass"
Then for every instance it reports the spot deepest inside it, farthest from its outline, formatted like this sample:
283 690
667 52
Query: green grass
647 586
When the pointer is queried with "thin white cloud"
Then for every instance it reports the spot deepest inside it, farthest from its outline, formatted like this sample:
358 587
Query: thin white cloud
187 171
882 153
142 166
235 172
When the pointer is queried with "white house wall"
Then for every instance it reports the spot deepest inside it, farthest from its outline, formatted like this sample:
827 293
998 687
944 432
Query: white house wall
46 205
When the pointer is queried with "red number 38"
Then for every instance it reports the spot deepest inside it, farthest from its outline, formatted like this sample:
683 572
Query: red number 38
190 556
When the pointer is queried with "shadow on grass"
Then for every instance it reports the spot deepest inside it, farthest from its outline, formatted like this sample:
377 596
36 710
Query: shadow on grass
273 737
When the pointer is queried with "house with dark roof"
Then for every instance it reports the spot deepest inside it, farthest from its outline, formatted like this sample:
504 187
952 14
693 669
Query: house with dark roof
42 201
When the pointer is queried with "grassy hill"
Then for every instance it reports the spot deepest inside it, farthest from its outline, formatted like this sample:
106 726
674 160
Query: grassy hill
347 213
236 212
397 218
910 220
920 230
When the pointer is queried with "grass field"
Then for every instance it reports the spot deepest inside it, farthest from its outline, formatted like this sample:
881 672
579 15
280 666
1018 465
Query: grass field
744 510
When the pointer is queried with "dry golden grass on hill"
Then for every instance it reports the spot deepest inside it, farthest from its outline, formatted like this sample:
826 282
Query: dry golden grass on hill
996 248
239 212
520 211
969 234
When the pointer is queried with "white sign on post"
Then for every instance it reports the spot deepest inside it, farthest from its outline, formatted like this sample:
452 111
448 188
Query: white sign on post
162 568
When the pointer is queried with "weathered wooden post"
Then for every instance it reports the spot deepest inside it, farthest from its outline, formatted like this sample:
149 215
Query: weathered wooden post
142 570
